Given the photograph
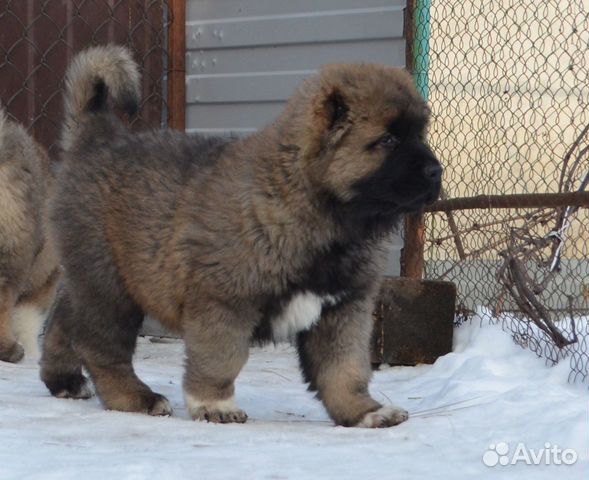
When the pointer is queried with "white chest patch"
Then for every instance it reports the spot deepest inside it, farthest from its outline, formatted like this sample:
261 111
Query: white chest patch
300 314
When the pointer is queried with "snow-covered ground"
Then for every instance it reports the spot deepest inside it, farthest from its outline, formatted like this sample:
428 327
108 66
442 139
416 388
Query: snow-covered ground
486 396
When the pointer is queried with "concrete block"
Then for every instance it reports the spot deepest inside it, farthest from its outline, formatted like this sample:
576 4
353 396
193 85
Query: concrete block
414 321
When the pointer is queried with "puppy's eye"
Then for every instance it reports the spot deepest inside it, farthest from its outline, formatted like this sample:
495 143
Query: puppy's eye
388 141
340 110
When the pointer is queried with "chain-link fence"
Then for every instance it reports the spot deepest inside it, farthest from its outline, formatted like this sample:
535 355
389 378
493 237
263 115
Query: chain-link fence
39 37
509 89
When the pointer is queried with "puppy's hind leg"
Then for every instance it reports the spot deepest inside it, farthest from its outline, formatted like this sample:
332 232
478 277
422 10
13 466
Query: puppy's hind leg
61 367
106 343
217 347
10 349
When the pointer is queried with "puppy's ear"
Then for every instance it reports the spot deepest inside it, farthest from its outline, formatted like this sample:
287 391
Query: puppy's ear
336 108
329 111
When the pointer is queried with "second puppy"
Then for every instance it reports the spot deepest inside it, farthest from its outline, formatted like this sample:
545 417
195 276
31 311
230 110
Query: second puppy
28 263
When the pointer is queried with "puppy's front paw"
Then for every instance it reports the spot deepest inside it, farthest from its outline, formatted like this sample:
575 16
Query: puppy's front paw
13 353
71 386
218 416
160 406
386 416
145 401
215 411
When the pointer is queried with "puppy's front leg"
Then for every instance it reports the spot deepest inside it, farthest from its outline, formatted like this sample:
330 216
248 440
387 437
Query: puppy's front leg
335 359
217 343
10 349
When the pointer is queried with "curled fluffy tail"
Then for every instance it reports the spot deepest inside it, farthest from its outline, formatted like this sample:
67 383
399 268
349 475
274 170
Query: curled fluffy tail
92 76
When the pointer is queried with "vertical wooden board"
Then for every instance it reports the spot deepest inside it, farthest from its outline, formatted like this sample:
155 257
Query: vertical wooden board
49 60
146 24
39 38
86 16
136 40
118 23
409 33
156 59
177 65
14 67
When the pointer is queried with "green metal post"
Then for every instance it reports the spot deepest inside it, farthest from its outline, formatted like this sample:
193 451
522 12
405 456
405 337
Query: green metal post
422 29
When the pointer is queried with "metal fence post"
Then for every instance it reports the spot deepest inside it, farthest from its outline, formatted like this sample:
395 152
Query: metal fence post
417 33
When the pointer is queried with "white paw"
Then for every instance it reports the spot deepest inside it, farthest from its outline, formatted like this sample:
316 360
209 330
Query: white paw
161 407
86 391
386 416
219 411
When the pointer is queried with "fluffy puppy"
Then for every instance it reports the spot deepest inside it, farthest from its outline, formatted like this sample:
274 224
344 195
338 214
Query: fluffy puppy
280 235
28 263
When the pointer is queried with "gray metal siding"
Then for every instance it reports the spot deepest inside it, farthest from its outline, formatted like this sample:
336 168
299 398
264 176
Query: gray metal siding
245 57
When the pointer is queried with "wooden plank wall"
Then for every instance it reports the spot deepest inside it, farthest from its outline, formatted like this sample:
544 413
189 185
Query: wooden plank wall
39 38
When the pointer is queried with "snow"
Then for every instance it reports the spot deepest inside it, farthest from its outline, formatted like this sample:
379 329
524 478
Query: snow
487 391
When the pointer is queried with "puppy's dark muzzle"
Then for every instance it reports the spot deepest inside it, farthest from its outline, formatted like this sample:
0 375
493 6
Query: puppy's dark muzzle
433 175
410 178
431 172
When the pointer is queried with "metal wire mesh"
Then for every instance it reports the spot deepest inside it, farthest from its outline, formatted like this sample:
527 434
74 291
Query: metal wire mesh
509 90
39 37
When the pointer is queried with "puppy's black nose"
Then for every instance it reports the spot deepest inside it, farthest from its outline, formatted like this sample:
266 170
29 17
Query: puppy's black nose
433 172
